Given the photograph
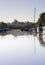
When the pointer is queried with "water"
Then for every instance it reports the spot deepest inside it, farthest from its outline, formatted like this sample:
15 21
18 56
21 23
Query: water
22 48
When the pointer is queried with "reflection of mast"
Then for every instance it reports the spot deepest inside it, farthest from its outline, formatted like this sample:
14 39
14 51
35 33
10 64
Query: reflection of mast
34 30
34 46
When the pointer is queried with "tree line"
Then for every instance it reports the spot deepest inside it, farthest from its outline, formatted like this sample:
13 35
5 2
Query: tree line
18 25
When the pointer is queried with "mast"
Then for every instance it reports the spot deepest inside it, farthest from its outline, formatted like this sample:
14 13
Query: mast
34 30
34 14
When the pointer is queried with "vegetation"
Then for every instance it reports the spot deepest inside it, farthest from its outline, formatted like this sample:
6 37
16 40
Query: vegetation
3 25
41 20
24 25
17 25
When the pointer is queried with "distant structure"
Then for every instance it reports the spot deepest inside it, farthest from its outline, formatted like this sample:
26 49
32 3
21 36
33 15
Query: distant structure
35 27
34 14
34 30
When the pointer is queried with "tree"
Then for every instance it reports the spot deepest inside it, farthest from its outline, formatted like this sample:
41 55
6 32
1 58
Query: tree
3 25
41 19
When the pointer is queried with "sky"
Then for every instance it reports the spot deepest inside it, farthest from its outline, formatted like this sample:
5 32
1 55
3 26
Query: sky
22 10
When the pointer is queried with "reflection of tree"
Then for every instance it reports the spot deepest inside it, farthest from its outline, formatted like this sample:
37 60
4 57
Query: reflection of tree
42 42
15 33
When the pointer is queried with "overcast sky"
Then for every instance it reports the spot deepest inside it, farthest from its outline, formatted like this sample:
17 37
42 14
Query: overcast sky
21 10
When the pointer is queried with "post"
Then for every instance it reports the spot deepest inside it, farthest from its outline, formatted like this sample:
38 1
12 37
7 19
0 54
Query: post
34 14
35 29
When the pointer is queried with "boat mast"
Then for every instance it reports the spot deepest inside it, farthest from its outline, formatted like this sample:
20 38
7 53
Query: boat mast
34 30
34 14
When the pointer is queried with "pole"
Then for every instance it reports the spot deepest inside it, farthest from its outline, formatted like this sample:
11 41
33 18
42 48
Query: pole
34 30
34 14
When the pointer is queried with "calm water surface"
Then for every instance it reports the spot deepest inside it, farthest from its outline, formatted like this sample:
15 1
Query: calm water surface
22 48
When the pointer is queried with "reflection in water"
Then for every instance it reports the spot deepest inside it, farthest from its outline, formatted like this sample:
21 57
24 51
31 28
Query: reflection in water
25 49
34 46
15 33
42 39
16 51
